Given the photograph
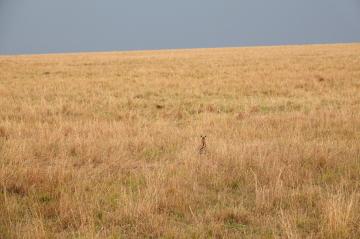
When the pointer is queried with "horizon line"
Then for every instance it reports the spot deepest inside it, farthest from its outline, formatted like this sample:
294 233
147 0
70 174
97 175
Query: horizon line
174 49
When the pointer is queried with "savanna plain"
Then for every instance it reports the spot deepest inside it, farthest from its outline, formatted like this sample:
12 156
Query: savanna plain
106 145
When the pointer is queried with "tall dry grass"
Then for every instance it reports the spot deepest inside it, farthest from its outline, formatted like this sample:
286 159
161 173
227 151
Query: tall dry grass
107 145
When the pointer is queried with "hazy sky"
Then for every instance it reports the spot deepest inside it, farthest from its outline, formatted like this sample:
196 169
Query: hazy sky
43 26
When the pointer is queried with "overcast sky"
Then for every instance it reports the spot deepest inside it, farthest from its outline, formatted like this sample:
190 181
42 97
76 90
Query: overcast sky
49 26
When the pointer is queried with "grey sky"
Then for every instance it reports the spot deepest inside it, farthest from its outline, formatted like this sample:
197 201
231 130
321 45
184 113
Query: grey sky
44 26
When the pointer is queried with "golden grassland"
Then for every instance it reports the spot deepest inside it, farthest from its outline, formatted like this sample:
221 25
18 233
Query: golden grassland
106 145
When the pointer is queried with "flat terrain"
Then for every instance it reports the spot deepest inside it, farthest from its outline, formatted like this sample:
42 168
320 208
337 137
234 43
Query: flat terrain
106 145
